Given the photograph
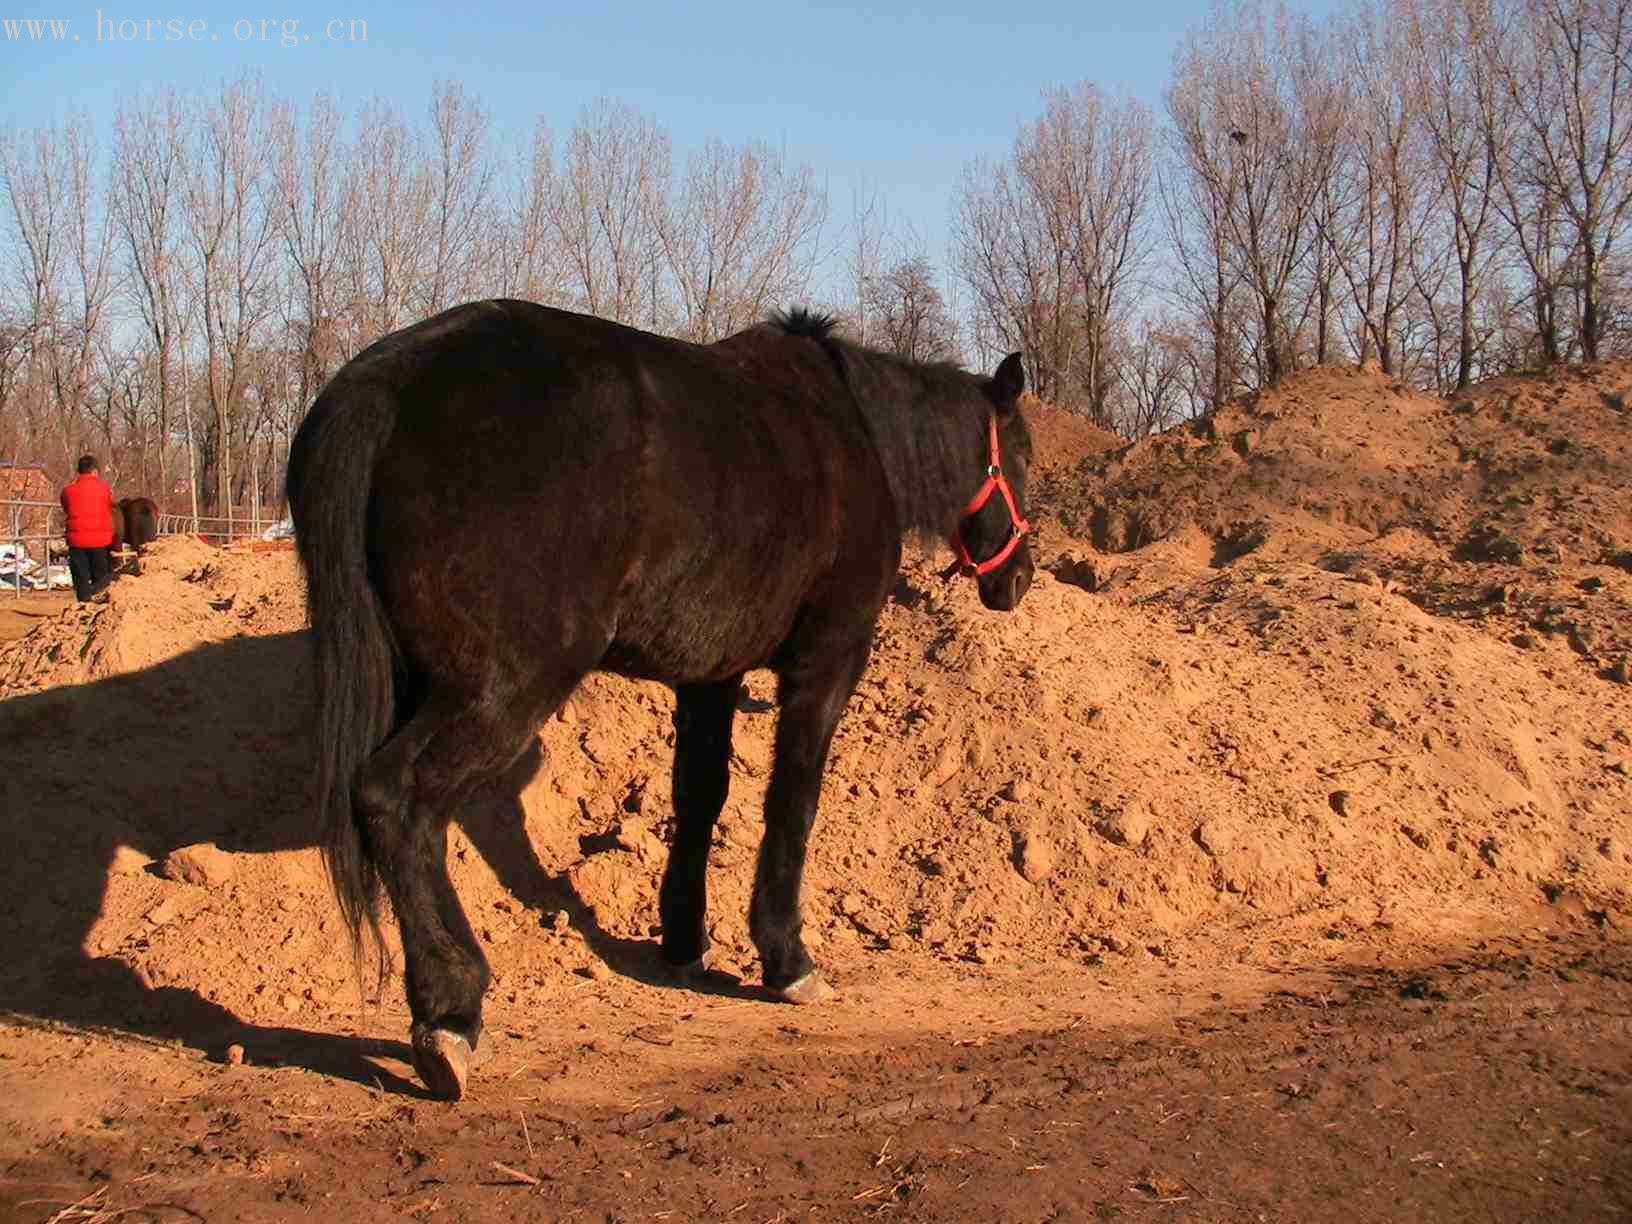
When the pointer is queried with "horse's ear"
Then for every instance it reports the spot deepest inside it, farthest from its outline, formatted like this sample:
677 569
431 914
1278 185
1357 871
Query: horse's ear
1007 383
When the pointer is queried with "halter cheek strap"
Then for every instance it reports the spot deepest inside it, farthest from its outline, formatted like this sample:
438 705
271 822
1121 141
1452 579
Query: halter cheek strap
996 482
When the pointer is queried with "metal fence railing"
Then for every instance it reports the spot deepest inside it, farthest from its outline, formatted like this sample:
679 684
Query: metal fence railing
34 552
28 531
217 529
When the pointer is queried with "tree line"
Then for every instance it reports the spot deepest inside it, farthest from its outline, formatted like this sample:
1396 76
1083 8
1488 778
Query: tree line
179 302
1439 187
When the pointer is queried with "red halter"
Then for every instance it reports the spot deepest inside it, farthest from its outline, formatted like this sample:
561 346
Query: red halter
995 482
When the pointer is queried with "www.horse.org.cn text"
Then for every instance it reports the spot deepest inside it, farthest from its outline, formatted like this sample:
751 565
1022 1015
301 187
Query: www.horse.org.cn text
111 28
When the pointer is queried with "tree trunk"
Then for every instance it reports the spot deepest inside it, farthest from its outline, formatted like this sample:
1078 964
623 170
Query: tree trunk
1272 344
1464 350
1590 324
1218 330
1547 324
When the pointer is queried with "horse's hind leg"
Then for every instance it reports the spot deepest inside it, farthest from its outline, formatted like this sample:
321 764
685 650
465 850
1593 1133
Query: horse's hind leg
409 792
812 698
702 775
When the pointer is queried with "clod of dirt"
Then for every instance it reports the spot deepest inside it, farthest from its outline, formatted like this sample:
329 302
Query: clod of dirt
1127 827
1017 790
1034 856
1422 988
204 864
164 911
128 861
1488 544
1215 837
235 1055
1077 571
1342 802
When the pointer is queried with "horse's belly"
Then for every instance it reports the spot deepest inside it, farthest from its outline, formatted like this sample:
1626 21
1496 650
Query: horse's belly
689 649
690 619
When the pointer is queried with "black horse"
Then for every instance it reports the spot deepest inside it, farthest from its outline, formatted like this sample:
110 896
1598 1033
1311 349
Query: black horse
503 498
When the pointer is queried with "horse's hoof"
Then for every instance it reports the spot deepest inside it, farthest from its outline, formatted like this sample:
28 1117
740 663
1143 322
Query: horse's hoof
443 1060
690 976
812 988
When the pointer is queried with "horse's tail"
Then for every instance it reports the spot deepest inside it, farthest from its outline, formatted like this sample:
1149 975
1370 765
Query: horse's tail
329 482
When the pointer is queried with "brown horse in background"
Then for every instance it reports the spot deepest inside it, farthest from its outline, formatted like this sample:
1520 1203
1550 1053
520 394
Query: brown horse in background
136 524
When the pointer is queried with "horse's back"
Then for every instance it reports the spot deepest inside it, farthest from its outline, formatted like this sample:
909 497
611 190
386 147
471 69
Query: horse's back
580 485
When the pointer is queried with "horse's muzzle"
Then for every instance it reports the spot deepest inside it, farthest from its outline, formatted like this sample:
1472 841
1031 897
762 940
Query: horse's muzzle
1003 591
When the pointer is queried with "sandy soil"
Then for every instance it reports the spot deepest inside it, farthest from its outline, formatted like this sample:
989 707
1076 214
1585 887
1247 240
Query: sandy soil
20 613
1270 862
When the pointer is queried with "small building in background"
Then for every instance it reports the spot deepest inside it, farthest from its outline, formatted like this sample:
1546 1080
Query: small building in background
23 483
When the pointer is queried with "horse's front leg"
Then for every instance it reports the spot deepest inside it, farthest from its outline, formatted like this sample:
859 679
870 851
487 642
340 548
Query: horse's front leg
812 698
703 714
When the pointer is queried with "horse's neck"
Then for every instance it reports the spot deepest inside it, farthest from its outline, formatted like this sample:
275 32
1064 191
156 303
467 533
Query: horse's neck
928 447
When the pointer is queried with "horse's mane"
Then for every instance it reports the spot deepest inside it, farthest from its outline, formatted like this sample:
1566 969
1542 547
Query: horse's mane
822 326
802 321
918 414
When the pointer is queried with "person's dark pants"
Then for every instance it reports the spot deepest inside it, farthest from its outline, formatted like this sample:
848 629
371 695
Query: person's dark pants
89 566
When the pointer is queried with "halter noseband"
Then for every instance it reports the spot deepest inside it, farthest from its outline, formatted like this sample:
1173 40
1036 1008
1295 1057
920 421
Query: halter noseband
995 482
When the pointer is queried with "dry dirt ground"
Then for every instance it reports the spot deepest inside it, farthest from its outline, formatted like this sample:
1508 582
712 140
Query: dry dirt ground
20 613
1270 863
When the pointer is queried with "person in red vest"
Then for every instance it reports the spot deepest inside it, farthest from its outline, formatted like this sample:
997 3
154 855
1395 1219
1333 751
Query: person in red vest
88 505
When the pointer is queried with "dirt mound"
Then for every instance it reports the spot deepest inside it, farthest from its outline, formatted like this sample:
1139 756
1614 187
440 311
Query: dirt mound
1243 753
1509 506
1525 467
1062 440
189 593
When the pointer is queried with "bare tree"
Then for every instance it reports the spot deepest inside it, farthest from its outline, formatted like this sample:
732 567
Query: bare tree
1161 378
1088 164
1049 244
461 187
230 230
865 261
1466 123
35 174
1567 72
909 314
389 198
1195 198
310 193
1322 92
529 263
1003 257
1390 190
148 160
737 239
1254 124
616 169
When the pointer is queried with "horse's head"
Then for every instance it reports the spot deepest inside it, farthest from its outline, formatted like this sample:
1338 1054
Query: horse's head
990 538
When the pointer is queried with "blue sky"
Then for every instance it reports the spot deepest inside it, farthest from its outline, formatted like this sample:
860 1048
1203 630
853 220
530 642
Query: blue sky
888 96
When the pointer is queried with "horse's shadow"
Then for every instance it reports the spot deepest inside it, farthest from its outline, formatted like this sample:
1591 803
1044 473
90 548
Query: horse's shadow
209 746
